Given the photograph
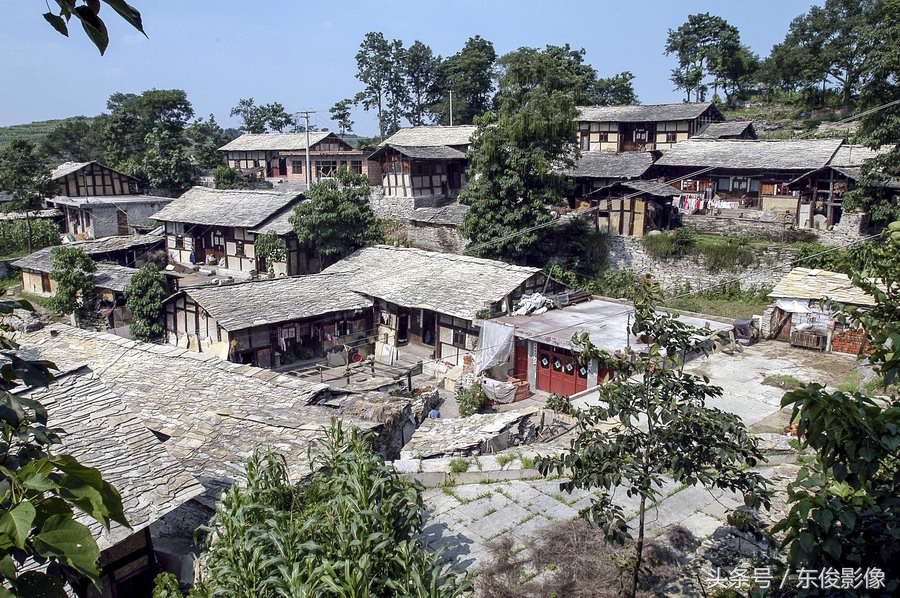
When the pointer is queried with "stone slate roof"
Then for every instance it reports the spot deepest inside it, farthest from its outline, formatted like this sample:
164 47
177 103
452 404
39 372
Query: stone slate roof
212 413
49 213
423 152
104 433
41 260
726 129
652 187
113 277
226 207
854 155
280 223
105 200
249 142
431 136
450 284
451 215
257 303
805 283
627 165
750 154
648 113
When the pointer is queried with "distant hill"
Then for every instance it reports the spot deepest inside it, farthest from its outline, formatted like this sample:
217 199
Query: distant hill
34 132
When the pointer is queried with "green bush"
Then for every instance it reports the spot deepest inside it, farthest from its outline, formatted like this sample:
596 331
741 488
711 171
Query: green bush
733 254
670 245
470 399
560 404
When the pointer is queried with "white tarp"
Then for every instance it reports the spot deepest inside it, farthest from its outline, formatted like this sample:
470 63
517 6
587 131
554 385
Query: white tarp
495 345
499 392
793 306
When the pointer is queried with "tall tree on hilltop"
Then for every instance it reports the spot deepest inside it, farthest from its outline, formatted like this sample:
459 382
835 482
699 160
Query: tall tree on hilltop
703 44
262 118
206 137
379 67
516 157
469 75
25 176
829 46
76 139
421 72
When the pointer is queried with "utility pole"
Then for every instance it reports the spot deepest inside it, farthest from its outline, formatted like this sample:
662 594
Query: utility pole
305 114
451 107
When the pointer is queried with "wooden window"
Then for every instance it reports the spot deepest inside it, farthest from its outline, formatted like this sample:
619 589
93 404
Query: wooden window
640 135
459 338
296 167
604 137
671 137
325 168
585 141
239 248
689 185
739 184
356 166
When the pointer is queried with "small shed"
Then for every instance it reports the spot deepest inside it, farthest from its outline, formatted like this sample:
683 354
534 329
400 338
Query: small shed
801 316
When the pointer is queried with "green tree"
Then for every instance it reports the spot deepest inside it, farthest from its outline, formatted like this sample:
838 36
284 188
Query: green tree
515 158
663 429
40 491
340 113
421 69
269 246
206 137
703 44
617 90
88 14
25 176
144 298
336 217
380 68
469 75
262 118
349 530
845 505
166 164
76 139
133 118
829 46
881 129
229 178
73 270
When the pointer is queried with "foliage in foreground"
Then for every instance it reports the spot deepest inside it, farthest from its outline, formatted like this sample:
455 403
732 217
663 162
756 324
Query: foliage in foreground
845 506
40 492
346 531
663 430
73 271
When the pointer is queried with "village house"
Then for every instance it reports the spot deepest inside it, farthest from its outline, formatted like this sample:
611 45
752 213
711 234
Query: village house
270 323
282 157
642 128
97 201
427 163
161 418
801 316
545 356
432 304
213 227
728 173
727 130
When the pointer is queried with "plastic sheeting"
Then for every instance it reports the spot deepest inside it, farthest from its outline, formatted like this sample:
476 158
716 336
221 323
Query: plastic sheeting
499 392
793 306
495 345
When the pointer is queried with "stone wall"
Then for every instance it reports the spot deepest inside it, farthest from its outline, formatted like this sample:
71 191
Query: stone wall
763 225
627 253
435 237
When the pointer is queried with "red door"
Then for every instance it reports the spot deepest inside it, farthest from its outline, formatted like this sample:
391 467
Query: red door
521 363
559 371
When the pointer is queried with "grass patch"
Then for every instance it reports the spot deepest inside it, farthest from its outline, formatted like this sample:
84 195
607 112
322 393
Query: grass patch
726 300
784 381
527 462
458 465
504 459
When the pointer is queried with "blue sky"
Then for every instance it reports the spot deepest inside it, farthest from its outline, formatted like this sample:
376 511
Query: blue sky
302 54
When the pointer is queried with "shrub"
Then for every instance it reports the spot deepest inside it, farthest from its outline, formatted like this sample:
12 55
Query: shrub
734 254
458 465
470 399
560 404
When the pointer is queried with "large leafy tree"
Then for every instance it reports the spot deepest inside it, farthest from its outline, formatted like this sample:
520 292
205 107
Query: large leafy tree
73 270
25 176
845 505
469 75
133 117
263 118
663 430
206 137
828 47
515 157
703 45
40 491
421 72
876 193
87 12
76 139
336 218
380 68
144 298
